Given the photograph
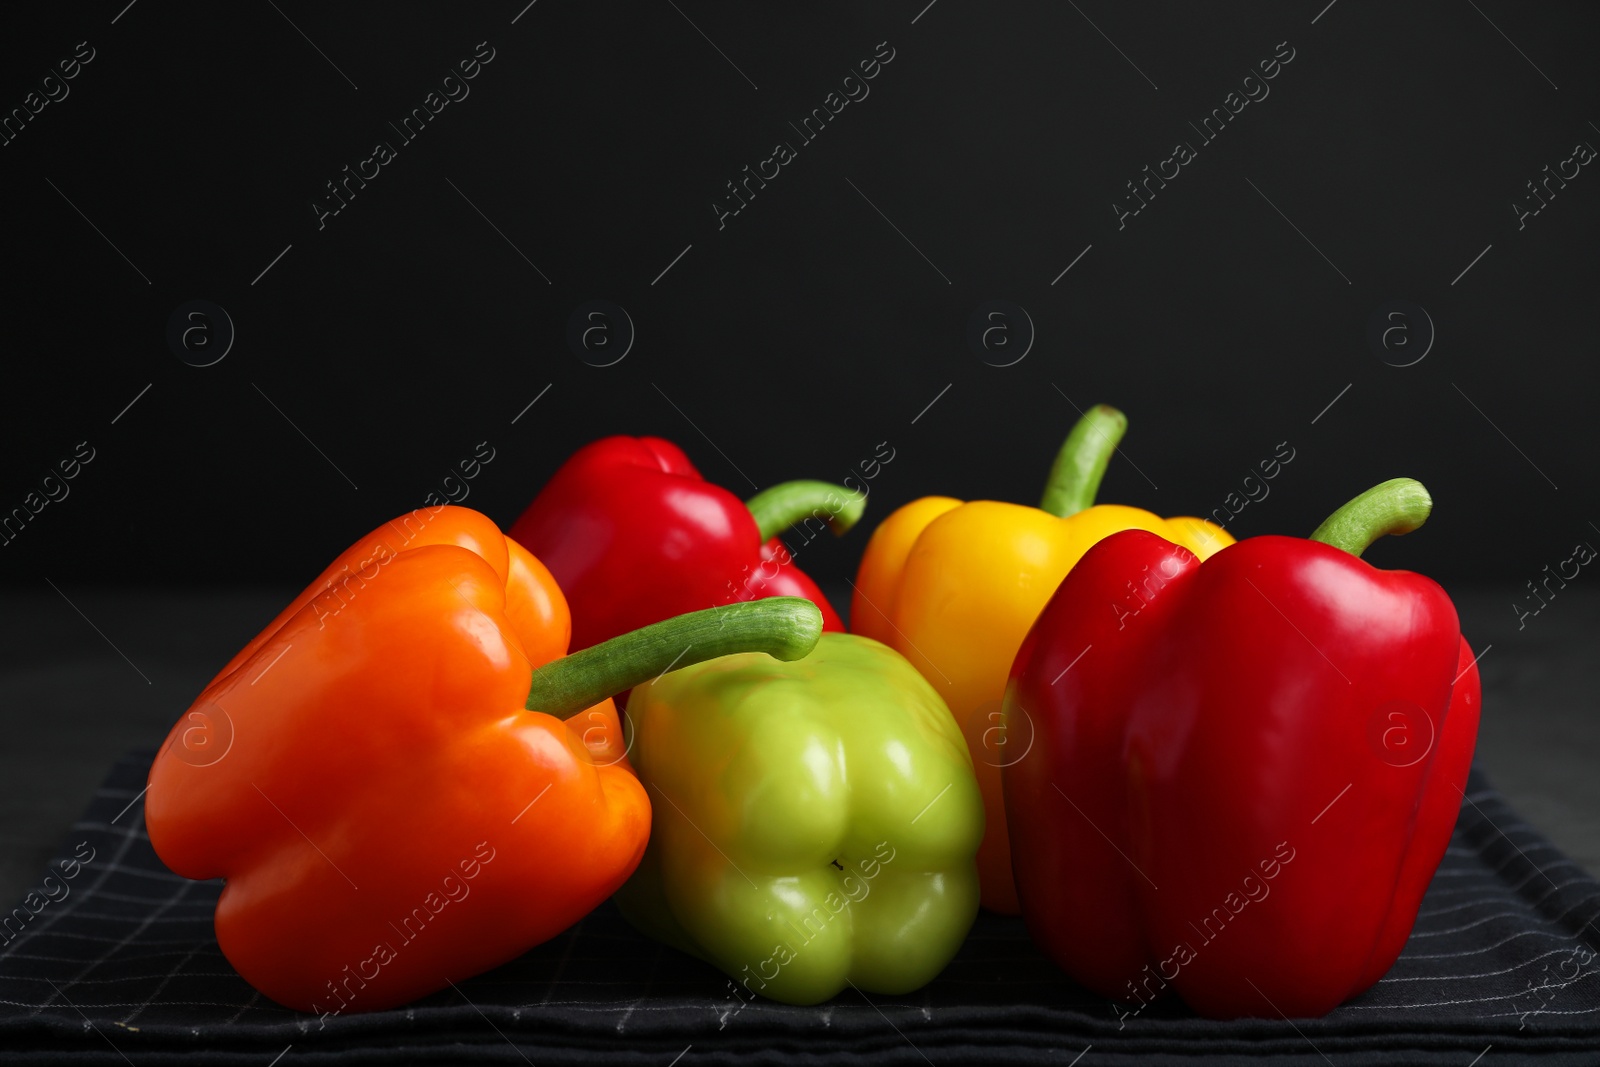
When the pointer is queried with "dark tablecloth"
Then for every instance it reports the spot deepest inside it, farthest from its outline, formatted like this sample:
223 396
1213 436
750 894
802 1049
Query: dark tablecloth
125 969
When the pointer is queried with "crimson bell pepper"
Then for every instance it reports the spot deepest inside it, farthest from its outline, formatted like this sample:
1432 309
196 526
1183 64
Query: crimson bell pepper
635 534
1243 772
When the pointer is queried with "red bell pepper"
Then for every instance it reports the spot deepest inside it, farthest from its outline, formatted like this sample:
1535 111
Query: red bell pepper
634 534
1243 772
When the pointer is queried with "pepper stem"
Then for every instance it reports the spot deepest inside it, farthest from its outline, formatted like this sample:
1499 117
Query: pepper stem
785 627
788 503
1398 506
1081 463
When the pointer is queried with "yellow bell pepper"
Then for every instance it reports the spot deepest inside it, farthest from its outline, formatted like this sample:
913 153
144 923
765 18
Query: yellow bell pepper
955 586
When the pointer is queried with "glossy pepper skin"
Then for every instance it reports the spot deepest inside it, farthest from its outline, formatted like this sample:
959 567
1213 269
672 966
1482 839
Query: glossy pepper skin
818 821
635 535
366 777
953 587
1245 784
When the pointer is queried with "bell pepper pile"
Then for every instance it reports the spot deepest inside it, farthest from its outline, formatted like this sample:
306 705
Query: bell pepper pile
414 747
1132 730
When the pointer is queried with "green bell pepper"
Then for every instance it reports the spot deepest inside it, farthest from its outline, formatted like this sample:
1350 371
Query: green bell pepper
816 821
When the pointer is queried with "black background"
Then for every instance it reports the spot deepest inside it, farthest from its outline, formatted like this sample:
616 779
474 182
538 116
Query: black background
808 330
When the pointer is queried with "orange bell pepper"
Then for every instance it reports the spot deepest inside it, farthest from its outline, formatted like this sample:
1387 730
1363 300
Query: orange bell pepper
954 587
388 816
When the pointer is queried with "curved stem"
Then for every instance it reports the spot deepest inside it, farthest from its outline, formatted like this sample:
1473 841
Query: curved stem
788 503
1081 463
1398 506
786 627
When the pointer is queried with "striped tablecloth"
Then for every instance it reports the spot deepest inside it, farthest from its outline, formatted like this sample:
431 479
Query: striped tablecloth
1501 969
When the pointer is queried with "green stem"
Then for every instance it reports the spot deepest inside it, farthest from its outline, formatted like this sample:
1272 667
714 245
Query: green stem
786 627
1398 506
1081 463
789 503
